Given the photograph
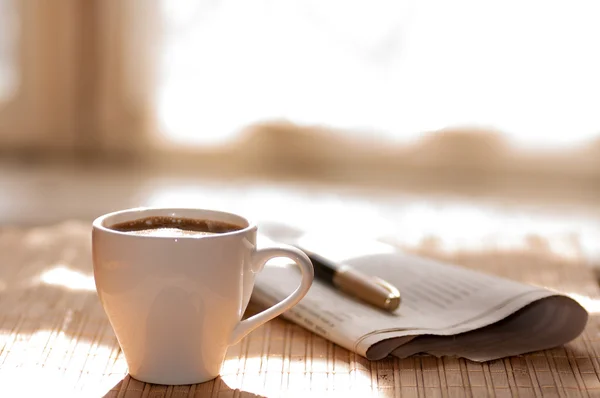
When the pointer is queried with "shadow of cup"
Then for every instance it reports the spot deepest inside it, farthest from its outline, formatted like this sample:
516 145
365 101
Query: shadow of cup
130 387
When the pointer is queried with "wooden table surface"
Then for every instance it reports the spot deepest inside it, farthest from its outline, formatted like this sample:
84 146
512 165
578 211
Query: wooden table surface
56 341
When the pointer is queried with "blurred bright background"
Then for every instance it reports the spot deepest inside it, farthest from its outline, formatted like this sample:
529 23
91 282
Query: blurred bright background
465 125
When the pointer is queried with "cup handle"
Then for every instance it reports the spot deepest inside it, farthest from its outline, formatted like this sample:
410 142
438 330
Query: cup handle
259 258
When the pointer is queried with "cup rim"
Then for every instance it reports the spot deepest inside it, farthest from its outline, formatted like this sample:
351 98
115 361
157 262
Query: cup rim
98 223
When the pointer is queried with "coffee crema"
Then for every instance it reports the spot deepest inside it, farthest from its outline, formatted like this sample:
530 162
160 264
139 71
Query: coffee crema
174 227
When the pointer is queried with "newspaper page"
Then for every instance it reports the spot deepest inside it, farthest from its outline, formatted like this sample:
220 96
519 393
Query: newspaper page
437 298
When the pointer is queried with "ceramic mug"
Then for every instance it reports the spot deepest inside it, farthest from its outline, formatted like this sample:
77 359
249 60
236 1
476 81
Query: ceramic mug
176 303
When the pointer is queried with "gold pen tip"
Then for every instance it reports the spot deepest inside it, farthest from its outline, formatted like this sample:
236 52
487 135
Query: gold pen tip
392 303
373 290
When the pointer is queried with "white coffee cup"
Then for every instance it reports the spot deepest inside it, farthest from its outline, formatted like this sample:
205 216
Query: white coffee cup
176 303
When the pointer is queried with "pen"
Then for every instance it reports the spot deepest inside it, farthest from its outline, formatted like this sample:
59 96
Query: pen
370 289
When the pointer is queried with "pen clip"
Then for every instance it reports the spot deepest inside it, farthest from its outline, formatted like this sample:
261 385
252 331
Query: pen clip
393 299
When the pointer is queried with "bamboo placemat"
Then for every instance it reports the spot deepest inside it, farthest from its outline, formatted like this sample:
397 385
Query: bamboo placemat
55 340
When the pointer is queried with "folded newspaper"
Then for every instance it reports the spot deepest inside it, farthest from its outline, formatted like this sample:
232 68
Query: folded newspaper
446 310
